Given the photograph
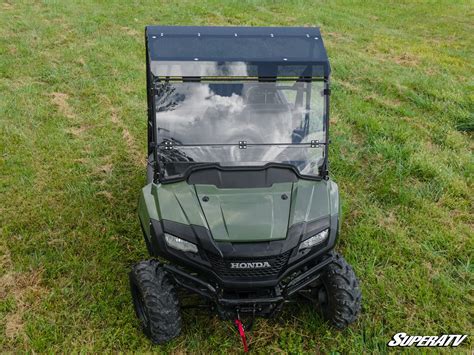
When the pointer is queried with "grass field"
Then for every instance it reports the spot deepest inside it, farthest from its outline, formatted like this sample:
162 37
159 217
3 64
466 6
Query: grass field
72 148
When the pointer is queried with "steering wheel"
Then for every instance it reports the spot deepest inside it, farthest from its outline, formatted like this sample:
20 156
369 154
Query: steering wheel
247 136
256 93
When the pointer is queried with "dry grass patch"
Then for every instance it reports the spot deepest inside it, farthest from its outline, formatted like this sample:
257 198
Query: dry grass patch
78 131
349 86
7 6
104 169
406 59
61 101
130 31
24 288
108 195
383 101
135 153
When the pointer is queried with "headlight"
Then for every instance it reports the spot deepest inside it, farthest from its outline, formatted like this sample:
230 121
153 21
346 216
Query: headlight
180 244
315 239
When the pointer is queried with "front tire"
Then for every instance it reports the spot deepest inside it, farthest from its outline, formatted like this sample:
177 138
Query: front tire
155 301
340 295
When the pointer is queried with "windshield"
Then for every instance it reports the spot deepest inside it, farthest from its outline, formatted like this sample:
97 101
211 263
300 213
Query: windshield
244 123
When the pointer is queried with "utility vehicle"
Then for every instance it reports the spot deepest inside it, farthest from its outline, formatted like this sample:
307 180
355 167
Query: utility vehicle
239 207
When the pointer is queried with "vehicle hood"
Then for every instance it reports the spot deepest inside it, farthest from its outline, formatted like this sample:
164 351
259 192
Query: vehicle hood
260 214
245 214
253 214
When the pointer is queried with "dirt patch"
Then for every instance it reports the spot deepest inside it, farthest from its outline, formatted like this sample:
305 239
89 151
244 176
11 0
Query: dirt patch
7 6
25 288
105 169
430 270
389 222
406 59
114 117
61 101
106 194
6 281
383 101
13 325
83 161
129 31
349 86
337 37
431 70
128 138
81 61
215 18
135 153
78 131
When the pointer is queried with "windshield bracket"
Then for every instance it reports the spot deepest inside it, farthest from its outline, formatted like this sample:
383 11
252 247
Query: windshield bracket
242 144
314 144
168 145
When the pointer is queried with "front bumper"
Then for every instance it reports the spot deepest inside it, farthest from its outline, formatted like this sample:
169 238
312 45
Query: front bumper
262 301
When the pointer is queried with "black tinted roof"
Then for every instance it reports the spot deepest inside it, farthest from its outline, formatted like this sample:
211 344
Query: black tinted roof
280 47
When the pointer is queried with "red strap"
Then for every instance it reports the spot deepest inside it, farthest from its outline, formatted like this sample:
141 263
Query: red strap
240 327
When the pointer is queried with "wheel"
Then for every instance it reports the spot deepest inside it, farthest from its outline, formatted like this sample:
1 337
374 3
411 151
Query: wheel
155 301
340 296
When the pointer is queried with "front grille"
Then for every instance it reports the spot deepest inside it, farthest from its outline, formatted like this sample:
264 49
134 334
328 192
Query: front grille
223 269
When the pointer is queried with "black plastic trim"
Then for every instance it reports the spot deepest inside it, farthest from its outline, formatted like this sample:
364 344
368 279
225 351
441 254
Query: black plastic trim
217 166
231 179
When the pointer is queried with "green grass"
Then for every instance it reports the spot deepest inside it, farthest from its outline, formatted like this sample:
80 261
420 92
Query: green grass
72 146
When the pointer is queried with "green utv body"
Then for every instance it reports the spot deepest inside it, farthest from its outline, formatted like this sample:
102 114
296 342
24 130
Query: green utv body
239 207
241 214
